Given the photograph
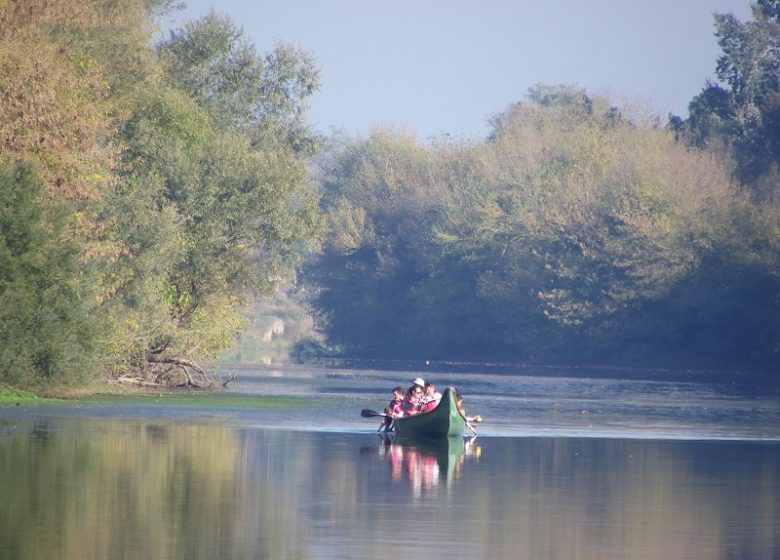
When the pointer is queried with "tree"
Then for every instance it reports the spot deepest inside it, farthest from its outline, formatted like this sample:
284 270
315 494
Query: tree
743 114
375 197
212 61
47 333
231 207
61 99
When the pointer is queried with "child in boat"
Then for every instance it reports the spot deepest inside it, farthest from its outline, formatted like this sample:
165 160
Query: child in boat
395 408
412 404
430 398
396 403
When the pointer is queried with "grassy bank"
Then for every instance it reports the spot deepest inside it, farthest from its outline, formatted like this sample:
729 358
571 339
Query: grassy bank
201 398
113 394
15 396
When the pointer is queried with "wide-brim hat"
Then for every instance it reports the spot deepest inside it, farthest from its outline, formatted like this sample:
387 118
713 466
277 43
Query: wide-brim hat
418 381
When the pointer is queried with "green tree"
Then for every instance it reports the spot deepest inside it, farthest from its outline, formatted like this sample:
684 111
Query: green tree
231 210
65 69
212 61
742 111
47 333
180 169
374 195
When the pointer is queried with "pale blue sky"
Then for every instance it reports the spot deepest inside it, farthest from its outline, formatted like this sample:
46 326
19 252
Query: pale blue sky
444 66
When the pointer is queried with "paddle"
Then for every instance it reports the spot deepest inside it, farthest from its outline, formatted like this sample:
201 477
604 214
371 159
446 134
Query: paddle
387 423
469 424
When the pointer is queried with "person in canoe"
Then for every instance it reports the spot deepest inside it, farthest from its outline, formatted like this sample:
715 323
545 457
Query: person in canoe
469 419
430 398
394 408
412 404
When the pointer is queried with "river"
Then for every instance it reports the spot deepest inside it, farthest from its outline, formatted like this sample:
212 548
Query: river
563 468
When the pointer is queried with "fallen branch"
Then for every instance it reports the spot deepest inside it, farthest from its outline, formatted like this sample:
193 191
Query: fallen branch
125 380
185 365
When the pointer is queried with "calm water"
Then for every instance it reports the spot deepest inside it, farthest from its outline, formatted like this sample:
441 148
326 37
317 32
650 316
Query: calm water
562 469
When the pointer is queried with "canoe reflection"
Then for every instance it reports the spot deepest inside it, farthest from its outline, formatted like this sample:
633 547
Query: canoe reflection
426 464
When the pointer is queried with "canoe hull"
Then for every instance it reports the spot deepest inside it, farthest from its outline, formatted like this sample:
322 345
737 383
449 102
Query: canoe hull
443 421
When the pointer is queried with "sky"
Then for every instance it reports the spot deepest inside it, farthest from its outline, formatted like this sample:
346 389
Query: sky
444 67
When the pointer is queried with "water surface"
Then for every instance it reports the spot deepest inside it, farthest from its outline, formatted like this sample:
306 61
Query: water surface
562 469
82 488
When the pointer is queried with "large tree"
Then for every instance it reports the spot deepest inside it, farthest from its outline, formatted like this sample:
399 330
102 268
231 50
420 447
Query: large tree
214 63
46 331
740 113
59 104
209 165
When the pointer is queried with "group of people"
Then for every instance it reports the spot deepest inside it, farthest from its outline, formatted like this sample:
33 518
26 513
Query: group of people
419 397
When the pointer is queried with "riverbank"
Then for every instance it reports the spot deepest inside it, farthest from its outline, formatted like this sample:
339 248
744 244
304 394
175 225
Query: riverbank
95 395
16 396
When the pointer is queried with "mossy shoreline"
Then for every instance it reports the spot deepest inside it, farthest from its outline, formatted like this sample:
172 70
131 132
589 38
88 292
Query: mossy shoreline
12 396
109 394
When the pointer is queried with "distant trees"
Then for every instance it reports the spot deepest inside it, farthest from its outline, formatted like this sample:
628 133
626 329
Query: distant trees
741 115
179 172
572 233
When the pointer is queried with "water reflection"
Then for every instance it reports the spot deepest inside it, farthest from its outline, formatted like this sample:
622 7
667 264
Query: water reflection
85 488
114 489
424 464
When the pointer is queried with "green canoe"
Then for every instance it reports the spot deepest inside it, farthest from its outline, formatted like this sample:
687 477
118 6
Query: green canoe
444 420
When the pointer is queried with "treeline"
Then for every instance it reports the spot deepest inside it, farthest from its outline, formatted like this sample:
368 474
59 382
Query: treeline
149 186
145 188
576 232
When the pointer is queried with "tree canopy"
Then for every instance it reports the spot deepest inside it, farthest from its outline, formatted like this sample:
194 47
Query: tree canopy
178 172
148 190
740 113
574 232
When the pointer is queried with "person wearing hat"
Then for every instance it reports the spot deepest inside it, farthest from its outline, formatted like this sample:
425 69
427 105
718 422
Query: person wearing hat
412 403
430 398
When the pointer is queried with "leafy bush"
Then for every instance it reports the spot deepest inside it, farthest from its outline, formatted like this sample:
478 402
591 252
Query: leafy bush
46 332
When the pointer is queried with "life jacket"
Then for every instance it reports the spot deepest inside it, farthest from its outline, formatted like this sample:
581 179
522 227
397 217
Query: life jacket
409 407
396 406
430 405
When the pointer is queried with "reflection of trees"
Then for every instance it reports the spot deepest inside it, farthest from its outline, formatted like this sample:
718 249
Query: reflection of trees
123 490
568 498
563 498
84 489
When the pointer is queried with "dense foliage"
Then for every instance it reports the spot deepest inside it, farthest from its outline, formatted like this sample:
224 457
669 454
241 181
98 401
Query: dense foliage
572 233
146 190
739 116
44 328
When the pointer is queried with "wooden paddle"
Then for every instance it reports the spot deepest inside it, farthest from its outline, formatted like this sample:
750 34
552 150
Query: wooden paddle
387 424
